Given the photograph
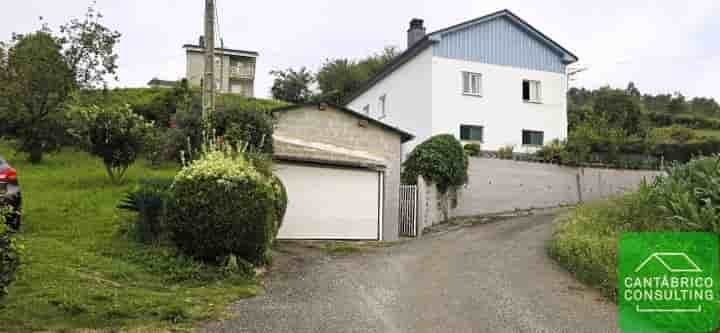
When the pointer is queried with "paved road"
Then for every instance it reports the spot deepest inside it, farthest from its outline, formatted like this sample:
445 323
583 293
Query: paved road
491 278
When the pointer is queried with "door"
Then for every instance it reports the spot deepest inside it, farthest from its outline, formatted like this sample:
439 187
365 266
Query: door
330 203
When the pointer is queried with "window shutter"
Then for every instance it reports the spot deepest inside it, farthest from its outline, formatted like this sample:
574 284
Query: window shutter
466 82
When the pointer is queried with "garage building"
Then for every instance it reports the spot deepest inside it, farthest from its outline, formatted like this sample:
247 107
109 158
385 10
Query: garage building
342 173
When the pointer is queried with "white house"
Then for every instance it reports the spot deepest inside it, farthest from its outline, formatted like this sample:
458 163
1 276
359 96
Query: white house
494 80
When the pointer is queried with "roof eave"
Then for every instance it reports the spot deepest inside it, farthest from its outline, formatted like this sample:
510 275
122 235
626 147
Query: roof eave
243 53
404 136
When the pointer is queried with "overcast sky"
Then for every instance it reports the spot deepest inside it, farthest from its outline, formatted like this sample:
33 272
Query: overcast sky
661 45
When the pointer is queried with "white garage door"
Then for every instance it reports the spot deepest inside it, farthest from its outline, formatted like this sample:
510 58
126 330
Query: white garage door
330 203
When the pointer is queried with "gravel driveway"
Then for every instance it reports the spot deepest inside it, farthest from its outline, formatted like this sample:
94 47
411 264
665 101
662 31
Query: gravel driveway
490 278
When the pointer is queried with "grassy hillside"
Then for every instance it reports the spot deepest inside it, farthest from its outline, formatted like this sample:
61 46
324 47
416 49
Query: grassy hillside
81 269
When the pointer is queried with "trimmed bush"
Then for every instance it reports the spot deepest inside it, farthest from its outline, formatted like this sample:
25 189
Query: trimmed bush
148 199
222 206
440 159
9 254
472 149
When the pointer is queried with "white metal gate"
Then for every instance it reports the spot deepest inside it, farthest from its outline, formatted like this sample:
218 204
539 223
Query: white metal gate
408 210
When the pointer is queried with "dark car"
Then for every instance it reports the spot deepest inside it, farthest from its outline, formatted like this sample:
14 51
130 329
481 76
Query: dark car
10 193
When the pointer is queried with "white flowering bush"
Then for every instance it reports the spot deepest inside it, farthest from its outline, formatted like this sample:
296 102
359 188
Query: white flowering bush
222 205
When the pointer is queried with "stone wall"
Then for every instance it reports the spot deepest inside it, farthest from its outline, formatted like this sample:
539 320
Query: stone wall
496 186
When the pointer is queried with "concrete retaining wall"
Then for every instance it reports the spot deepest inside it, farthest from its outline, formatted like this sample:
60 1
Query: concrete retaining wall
496 186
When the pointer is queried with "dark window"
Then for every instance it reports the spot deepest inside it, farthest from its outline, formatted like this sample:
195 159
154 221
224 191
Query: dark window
532 138
531 91
471 133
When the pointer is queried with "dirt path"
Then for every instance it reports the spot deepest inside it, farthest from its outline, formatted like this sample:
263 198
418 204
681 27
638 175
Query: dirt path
492 278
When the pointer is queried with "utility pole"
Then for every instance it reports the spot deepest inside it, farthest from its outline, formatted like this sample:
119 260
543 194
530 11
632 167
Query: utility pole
209 78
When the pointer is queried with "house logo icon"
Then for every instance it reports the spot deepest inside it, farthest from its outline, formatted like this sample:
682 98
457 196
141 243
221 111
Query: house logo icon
668 282
690 267
658 256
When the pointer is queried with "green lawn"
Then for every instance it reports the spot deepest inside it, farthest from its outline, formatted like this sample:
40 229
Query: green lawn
81 269
711 133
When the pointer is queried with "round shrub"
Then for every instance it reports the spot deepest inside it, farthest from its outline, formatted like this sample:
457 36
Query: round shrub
222 206
440 159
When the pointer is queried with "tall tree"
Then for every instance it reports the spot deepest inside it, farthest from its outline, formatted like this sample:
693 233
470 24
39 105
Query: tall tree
39 71
705 106
291 85
89 49
632 90
677 104
36 82
338 79
620 110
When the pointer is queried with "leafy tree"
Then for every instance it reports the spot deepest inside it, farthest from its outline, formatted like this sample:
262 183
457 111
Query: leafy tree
39 72
677 104
632 90
338 79
114 133
620 110
36 83
657 103
89 49
705 106
292 86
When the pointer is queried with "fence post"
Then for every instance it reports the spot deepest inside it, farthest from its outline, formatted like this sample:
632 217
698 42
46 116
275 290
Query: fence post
422 212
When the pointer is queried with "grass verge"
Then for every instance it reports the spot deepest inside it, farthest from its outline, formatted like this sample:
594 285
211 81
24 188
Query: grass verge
80 267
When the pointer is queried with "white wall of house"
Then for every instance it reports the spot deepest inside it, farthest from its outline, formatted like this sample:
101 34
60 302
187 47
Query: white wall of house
408 98
501 109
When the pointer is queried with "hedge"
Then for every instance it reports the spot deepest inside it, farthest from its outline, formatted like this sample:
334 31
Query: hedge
9 255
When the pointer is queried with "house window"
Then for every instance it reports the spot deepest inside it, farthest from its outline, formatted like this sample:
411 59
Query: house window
532 138
531 91
471 133
366 109
382 112
472 83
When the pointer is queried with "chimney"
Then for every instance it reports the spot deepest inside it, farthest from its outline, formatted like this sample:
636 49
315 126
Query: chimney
201 42
416 31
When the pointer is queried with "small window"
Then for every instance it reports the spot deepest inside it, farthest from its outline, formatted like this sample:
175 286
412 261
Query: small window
366 109
382 111
471 133
532 138
532 91
472 83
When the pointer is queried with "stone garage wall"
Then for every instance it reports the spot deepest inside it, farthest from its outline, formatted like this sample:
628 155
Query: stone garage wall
496 186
